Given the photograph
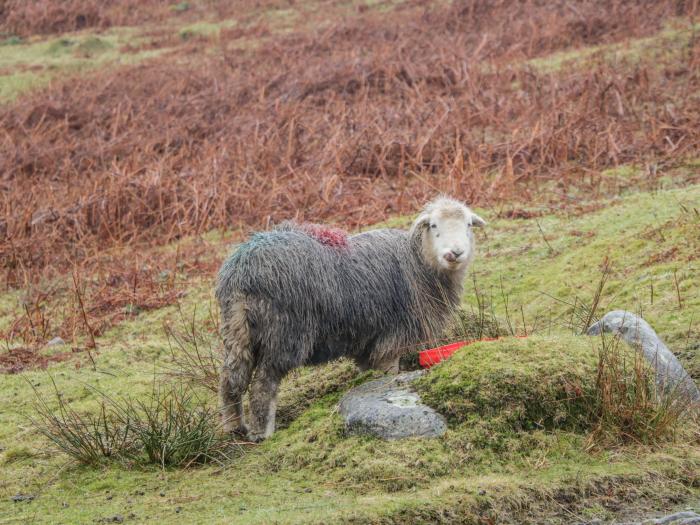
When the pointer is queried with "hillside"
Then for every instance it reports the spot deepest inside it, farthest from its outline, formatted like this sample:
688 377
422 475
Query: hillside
142 140
311 472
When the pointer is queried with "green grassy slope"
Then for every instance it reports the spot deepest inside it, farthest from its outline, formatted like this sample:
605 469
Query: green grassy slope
32 63
504 456
652 243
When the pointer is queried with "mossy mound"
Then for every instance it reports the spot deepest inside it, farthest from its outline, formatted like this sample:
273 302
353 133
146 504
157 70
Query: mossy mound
538 383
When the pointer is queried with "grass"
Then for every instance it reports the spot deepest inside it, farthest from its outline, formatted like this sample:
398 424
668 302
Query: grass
519 420
34 63
520 384
521 412
171 427
673 40
204 28
645 237
89 438
629 407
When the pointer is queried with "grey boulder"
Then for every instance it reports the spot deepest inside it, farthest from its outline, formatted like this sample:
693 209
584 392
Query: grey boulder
687 517
389 408
670 374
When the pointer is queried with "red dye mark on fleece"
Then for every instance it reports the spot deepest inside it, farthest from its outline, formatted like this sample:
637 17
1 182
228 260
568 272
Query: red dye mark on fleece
332 237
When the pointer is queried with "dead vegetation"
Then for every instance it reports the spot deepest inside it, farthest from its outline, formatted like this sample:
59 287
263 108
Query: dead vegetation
352 123
630 408
109 290
16 360
42 17
377 117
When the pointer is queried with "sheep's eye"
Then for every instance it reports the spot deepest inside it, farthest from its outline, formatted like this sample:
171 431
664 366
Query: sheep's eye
433 225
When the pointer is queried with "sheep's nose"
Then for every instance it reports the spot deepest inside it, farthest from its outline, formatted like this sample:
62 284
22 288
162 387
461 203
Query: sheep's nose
452 255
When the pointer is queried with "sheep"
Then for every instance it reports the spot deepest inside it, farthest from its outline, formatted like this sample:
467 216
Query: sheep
305 294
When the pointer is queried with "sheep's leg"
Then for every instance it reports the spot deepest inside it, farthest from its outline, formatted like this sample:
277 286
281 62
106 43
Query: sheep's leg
232 386
390 366
362 363
263 403
236 371
384 357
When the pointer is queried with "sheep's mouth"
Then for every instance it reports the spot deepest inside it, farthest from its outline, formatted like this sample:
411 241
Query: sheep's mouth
453 265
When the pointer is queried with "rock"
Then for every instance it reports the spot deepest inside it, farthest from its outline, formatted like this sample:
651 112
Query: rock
22 497
670 374
684 518
679 518
389 408
56 341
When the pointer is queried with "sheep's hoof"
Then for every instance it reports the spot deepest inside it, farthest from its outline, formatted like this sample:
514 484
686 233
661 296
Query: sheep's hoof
239 433
255 437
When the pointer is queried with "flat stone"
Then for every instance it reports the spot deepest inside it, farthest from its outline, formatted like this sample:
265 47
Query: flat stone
670 374
389 408
687 517
22 497
56 341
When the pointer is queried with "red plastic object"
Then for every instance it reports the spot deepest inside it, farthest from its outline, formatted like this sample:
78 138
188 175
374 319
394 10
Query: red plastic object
433 356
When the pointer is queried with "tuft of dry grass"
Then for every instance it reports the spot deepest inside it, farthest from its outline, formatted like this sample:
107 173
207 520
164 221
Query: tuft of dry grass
172 427
195 353
629 406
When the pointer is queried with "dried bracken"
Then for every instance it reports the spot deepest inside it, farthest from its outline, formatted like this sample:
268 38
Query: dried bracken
33 17
16 360
351 123
105 292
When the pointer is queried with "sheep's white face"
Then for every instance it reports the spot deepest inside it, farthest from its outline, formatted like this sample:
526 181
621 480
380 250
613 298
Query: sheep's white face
448 239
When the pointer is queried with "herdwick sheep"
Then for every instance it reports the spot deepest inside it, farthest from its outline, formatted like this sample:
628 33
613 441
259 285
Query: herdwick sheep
304 294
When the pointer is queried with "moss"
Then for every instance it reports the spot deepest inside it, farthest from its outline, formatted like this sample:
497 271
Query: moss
15 454
517 384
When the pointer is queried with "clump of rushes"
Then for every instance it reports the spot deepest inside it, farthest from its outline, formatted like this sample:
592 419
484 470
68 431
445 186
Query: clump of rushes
630 407
172 427
88 438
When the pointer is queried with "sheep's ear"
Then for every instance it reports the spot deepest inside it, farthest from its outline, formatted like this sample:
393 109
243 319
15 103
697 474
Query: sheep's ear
478 221
423 221
420 224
